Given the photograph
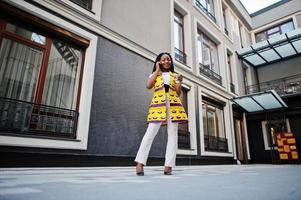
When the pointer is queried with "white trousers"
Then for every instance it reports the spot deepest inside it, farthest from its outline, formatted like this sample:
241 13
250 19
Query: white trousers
151 132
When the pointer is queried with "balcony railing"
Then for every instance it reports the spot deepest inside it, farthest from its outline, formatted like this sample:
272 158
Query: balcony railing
25 118
180 56
210 74
213 143
232 87
226 31
183 140
208 13
87 4
284 86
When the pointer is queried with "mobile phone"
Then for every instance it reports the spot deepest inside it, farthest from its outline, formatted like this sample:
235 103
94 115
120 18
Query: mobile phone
161 67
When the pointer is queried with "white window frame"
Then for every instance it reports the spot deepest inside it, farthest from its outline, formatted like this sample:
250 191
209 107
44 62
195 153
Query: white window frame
95 12
187 35
81 141
191 119
198 26
206 43
228 127
270 25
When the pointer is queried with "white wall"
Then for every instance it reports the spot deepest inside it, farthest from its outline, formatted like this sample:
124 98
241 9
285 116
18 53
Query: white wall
145 22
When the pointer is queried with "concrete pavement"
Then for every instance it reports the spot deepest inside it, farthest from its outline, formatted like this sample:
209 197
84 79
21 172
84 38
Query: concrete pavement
217 182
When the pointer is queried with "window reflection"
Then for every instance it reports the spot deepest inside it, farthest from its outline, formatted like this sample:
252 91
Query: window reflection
213 120
275 31
62 76
35 37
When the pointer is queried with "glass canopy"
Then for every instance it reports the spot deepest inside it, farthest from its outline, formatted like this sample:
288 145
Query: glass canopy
262 101
272 50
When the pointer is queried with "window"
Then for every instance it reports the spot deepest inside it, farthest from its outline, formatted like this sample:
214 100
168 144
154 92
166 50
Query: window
179 37
225 22
87 4
275 31
240 29
39 82
232 86
208 58
183 133
208 7
213 125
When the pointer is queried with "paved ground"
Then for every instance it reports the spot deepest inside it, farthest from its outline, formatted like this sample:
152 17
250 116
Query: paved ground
233 182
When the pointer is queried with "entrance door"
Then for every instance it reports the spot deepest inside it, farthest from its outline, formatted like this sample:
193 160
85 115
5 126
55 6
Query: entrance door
240 141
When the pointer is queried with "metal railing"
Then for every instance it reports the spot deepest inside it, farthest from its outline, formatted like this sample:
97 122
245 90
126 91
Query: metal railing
284 86
87 4
208 13
184 140
226 31
180 56
210 74
232 87
26 118
213 143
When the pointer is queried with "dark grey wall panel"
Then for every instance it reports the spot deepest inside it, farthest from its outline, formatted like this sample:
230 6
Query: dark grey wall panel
120 103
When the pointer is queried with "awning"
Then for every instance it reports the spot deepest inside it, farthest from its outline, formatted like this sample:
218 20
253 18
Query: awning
262 101
275 49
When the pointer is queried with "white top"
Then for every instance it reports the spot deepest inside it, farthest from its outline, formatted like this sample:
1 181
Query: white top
165 76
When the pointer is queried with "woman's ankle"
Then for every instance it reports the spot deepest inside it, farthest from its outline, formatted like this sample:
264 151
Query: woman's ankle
167 169
139 166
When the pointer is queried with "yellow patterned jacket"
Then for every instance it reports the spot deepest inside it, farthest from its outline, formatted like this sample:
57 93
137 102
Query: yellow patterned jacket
157 110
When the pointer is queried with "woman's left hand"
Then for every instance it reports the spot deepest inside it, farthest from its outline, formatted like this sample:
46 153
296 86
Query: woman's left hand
178 81
180 78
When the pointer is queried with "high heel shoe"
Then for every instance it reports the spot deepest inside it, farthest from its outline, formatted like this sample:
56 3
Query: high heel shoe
140 173
139 169
167 173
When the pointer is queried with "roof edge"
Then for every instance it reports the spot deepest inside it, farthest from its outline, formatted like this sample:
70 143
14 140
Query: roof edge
270 7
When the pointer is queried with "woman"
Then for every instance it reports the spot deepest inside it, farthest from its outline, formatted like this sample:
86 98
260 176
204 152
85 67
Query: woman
165 108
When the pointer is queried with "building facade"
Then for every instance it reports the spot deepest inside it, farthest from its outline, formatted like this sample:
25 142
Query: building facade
73 73
275 64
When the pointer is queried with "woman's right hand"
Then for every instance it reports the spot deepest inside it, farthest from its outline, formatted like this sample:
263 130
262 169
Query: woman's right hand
152 79
158 69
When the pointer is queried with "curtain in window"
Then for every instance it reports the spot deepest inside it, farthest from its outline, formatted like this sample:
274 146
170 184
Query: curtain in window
211 123
207 56
208 53
200 49
19 70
